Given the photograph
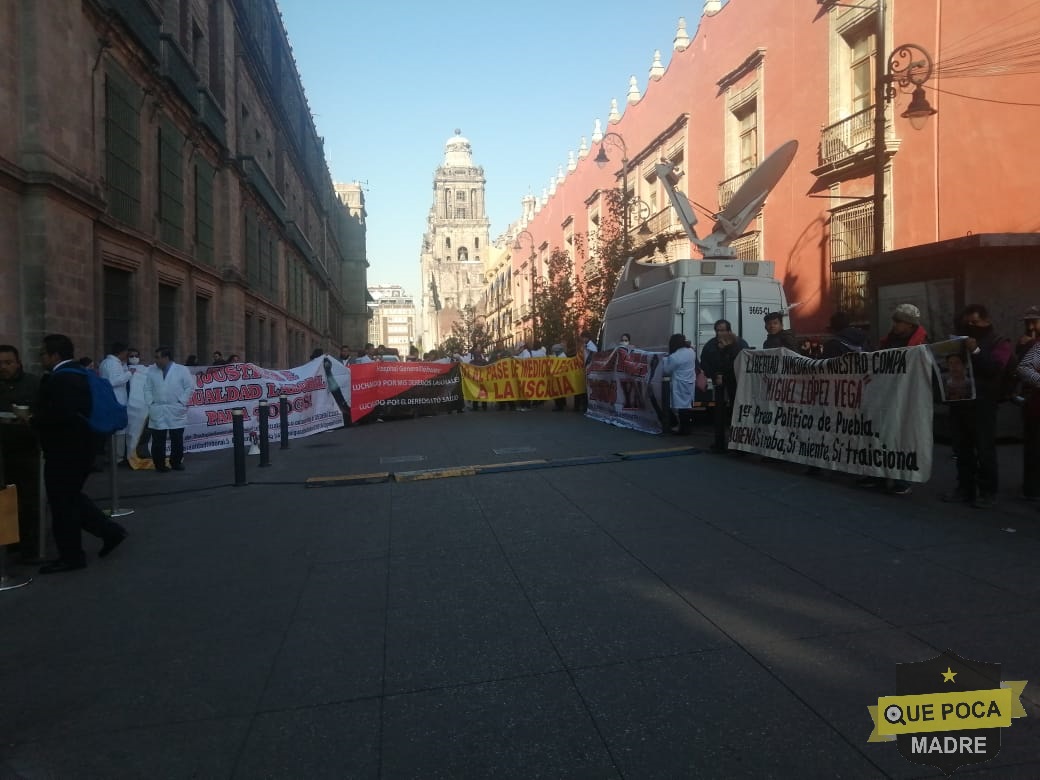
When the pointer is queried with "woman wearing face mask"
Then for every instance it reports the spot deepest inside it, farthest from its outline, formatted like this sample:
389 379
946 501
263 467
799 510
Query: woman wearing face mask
626 340
133 358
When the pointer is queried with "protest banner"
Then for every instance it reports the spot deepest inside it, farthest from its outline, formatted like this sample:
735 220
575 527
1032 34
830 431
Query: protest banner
624 387
389 388
218 389
863 412
529 379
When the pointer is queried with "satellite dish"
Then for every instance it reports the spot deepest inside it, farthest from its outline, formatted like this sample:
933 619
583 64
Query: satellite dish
746 202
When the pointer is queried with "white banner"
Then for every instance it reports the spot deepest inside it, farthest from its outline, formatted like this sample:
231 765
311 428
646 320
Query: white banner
624 387
863 412
314 393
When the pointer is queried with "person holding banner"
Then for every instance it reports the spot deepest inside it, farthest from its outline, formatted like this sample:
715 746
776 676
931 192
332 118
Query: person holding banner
1028 372
681 366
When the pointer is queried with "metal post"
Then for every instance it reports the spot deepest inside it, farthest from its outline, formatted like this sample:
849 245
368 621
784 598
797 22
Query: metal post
719 392
283 413
7 581
115 511
880 150
265 444
41 544
239 439
666 403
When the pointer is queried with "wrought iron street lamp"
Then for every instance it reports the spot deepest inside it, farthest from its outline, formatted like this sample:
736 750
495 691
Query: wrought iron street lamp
601 159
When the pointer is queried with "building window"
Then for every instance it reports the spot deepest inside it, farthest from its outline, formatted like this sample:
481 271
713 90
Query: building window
463 254
862 51
460 213
202 345
747 135
167 316
171 185
204 244
251 241
447 243
476 243
117 305
122 150
460 196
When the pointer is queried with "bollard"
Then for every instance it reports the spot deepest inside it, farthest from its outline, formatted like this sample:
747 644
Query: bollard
265 442
239 439
666 403
283 413
115 511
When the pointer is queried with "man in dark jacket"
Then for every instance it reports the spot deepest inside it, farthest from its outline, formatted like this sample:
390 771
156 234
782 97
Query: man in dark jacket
68 443
777 335
718 361
975 422
844 337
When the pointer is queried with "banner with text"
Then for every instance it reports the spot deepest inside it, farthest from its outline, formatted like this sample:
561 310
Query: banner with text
313 392
393 388
863 412
530 379
625 388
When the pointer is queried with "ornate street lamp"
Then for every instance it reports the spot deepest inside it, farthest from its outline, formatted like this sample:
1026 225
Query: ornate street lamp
601 159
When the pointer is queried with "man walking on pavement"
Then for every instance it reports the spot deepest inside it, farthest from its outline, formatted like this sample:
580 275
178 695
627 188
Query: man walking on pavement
113 368
68 443
167 390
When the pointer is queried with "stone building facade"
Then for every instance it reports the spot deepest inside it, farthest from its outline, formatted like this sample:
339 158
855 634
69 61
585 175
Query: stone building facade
162 182
455 243
393 318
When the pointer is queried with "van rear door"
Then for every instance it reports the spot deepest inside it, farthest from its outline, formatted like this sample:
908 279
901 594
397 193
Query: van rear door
708 300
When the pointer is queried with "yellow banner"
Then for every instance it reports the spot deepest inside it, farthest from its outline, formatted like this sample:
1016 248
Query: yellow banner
530 379
955 711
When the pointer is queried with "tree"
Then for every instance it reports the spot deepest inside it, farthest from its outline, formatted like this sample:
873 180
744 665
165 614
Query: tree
608 247
556 317
469 332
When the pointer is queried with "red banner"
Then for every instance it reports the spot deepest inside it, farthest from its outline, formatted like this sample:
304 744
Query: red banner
386 387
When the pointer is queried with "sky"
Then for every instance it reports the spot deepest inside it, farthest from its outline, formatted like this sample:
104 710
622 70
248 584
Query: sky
388 83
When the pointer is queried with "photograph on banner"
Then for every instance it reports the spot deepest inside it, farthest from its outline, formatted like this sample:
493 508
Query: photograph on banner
624 387
866 413
954 370
394 389
529 379
219 389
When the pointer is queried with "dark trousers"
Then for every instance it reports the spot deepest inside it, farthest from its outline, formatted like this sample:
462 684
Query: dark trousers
72 511
560 403
159 446
975 443
1031 447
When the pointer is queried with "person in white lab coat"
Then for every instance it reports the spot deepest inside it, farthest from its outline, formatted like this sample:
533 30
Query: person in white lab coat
113 368
167 390
681 366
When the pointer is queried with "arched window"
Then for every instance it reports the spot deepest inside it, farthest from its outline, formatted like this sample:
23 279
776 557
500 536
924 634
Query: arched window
447 243
476 243
463 254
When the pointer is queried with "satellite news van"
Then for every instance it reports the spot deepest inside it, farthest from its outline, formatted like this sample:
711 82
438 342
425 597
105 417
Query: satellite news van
654 300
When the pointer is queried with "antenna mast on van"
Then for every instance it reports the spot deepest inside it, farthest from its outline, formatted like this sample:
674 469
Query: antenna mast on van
732 221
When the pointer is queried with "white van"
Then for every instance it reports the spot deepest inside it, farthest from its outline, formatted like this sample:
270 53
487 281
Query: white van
654 300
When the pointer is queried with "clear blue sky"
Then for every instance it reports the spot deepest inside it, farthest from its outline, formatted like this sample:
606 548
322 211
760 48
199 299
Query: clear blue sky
389 82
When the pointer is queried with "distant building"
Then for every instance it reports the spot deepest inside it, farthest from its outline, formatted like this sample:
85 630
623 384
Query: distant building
455 243
162 182
393 317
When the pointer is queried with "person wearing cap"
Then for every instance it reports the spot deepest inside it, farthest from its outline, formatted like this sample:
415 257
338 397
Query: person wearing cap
1031 326
777 335
906 328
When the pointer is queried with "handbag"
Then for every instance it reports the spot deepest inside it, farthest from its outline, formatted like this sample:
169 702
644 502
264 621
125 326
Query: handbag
9 515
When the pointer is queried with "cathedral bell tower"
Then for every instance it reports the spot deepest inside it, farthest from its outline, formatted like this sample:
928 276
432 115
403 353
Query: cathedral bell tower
455 242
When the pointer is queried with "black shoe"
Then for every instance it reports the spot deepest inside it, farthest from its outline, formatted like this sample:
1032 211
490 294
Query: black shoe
59 566
161 469
956 497
112 542
178 467
124 464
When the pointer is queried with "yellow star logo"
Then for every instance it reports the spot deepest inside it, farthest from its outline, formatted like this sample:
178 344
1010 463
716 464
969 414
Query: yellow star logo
948 675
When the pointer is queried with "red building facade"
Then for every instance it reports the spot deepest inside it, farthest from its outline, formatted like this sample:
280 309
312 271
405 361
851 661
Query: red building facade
958 215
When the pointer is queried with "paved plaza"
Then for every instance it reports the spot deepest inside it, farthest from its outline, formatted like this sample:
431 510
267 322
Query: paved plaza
655 615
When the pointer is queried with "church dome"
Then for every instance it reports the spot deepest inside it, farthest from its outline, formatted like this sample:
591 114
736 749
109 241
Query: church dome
457 152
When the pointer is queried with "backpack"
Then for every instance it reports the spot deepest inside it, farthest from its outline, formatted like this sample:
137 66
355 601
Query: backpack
107 415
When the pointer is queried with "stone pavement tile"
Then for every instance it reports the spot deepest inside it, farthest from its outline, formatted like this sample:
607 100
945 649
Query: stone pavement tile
436 514
334 741
216 677
770 604
432 645
536 727
839 676
1006 562
712 714
570 559
444 578
200 748
340 589
913 526
334 658
904 588
605 621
